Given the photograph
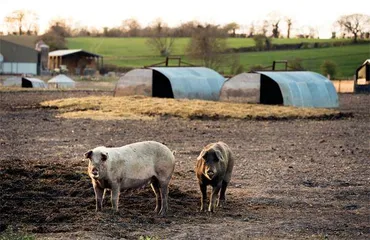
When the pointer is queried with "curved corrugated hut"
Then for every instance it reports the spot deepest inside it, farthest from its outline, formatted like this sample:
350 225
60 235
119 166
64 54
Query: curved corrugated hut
61 81
32 83
187 82
13 82
298 88
135 82
244 87
172 82
290 88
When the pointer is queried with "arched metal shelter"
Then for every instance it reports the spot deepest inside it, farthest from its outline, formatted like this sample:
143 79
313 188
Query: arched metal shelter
187 82
135 82
172 82
61 81
297 88
290 88
33 83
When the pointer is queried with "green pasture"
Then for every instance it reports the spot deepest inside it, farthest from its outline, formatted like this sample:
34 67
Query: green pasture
135 52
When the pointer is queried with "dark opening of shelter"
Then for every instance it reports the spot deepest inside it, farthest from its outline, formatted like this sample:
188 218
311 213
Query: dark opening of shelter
26 83
270 91
161 86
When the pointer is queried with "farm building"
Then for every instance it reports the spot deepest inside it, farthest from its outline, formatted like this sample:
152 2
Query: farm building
362 81
13 82
172 82
290 88
61 81
33 83
20 57
76 61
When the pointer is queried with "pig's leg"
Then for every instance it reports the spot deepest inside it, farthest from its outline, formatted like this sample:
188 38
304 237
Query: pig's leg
164 196
203 197
98 197
213 199
115 197
222 199
155 187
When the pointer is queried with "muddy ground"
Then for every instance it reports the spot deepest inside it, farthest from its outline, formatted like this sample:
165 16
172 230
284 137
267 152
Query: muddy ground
297 179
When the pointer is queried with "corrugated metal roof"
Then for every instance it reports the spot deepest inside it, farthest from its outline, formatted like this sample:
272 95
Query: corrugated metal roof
60 53
35 82
193 82
135 82
305 89
61 78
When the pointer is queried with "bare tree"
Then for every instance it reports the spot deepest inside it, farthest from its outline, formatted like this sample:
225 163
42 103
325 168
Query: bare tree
251 30
289 22
22 22
131 27
354 24
274 20
208 44
186 29
160 38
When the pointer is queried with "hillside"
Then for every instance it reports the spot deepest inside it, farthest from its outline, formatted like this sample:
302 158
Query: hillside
134 52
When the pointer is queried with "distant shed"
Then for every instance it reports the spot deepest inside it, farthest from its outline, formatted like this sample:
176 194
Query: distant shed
172 82
61 81
77 61
33 83
362 81
289 88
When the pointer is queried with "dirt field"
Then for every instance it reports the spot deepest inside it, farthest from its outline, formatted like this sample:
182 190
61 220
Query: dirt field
301 179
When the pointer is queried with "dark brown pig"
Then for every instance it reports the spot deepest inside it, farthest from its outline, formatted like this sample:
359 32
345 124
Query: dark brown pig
214 167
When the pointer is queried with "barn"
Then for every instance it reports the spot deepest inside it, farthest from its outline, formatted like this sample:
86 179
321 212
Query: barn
19 56
172 82
362 80
76 61
289 88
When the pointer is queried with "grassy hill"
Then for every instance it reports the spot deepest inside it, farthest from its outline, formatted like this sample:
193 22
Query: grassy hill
134 52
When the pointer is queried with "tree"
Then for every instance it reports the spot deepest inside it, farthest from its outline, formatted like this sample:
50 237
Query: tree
329 68
354 24
61 27
56 34
274 20
208 45
131 27
160 38
231 28
22 22
289 22
54 41
186 29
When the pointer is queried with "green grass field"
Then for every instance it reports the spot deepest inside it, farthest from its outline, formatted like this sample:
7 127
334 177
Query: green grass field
134 52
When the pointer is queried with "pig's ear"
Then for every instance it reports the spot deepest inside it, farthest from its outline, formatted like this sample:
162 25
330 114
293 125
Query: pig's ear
219 155
104 156
88 154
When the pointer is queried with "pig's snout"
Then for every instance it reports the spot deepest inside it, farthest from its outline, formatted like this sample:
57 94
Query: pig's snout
95 172
210 173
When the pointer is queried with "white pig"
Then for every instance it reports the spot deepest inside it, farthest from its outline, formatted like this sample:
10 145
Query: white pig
130 167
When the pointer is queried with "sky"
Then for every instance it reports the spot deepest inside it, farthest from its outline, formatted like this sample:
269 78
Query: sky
320 14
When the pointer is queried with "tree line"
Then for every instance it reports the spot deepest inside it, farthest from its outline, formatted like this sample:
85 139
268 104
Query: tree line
24 22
